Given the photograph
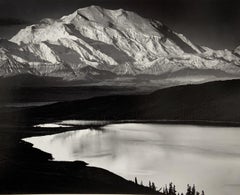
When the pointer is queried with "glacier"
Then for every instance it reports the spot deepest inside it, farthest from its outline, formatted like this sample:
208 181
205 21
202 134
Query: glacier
98 43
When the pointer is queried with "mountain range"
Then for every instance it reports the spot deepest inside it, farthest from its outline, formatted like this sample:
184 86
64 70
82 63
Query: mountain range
99 44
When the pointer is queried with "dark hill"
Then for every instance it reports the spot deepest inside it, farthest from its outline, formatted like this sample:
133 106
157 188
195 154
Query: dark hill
210 102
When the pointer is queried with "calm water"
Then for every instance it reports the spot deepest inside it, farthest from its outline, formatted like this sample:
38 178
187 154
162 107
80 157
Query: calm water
206 156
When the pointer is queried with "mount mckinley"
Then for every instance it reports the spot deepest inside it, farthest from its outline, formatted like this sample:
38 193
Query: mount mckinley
98 44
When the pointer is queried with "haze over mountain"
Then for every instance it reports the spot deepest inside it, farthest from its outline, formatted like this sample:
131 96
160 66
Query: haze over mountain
237 51
99 44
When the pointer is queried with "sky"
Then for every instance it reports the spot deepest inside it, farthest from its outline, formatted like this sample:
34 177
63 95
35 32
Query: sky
212 23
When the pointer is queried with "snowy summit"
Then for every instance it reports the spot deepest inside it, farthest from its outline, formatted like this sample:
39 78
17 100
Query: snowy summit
110 42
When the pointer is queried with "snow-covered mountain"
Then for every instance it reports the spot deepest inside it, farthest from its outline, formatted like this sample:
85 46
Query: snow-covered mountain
97 42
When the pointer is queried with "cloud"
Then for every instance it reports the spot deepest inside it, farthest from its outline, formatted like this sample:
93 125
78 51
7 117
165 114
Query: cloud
12 21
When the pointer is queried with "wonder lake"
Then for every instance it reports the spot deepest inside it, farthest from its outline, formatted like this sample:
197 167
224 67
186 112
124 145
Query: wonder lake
208 157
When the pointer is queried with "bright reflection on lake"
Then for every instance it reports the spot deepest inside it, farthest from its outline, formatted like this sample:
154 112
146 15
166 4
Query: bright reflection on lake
206 156
70 123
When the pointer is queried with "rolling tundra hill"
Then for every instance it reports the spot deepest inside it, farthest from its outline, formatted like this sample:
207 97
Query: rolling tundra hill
210 103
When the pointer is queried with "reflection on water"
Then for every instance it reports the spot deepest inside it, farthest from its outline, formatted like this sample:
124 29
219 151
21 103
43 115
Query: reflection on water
70 123
206 156
51 125
25 104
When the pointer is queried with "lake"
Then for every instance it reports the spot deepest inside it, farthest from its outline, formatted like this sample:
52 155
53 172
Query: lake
183 154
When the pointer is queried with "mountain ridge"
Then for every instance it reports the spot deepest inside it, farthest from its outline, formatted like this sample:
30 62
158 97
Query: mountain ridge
118 41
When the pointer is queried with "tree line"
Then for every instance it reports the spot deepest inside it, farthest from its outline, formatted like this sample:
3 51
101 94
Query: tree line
171 189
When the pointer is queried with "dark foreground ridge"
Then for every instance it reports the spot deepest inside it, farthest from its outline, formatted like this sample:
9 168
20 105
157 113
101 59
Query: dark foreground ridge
24 169
214 103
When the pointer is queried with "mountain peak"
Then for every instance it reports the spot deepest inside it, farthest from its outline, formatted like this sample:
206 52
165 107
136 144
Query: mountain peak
116 41
108 18
99 9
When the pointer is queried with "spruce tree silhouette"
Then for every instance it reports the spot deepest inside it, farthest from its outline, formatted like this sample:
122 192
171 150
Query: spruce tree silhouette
170 188
193 190
174 190
189 190
136 182
153 186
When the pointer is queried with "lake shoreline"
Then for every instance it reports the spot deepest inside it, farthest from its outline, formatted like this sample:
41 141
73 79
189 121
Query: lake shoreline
207 145
207 123
35 172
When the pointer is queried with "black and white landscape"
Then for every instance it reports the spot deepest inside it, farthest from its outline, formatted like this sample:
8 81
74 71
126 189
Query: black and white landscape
107 100
118 47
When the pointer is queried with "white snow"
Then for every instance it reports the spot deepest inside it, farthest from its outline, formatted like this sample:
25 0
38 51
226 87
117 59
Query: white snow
120 41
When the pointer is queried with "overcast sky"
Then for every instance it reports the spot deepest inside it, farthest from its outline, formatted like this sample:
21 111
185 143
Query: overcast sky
213 23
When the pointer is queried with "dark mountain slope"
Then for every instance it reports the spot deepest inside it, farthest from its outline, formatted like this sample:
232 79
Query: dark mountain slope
212 102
